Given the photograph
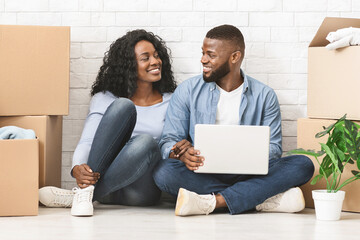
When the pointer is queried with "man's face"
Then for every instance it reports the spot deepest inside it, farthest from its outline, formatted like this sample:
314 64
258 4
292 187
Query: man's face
215 56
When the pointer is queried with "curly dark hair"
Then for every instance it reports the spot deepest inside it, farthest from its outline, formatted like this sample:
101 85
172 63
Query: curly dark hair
118 74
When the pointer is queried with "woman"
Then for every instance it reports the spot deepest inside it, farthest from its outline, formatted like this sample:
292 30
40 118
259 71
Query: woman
118 150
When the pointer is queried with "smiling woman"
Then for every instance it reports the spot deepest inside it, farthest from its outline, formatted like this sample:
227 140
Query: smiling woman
118 149
149 71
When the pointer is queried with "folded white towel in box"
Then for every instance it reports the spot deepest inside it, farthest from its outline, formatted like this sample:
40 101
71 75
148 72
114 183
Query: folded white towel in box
343 37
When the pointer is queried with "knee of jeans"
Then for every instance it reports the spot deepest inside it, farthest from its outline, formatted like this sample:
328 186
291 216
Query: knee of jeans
308 166
147 140
121 106
147 144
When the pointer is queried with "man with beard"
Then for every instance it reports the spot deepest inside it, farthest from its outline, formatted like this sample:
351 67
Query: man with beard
224 94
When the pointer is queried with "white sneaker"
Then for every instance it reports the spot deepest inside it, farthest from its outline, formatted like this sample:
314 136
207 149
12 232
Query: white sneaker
82 202
190 203
55 197
290 201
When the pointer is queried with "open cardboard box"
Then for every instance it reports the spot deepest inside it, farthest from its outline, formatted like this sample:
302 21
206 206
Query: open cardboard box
19 180
34 70
48 130
306 130
333 75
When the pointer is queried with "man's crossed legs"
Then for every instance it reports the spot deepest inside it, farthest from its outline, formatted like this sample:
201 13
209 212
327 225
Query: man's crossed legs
200 193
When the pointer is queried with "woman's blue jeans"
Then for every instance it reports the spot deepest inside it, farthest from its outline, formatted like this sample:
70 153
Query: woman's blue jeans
125 164
241 192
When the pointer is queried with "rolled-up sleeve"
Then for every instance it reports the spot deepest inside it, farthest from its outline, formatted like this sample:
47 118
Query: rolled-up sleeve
177 120
272 118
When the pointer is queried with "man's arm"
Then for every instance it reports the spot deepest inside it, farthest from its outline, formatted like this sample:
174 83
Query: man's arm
272 118
177 120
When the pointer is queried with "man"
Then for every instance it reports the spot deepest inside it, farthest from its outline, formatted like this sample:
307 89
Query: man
225 95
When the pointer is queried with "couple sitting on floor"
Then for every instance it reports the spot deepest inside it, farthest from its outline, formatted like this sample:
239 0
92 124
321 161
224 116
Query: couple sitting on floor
137 138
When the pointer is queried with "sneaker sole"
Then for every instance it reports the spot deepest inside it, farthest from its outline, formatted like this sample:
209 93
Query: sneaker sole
302 199
182 199
82 214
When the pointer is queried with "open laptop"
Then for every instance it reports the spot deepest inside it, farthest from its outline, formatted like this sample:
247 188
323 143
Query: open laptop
233 149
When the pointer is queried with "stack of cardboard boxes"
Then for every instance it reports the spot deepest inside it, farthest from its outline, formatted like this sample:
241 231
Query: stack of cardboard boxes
333 85
34 94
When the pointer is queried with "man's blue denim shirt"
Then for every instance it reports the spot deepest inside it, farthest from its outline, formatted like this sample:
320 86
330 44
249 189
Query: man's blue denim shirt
195 101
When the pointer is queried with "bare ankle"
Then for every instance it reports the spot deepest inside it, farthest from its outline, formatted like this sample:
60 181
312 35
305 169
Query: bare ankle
220 201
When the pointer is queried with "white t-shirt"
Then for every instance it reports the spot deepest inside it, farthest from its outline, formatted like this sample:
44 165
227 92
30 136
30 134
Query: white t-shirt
150 119
227 112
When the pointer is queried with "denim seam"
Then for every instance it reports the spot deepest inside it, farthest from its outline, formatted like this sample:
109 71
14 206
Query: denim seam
228 202
126 183
107 152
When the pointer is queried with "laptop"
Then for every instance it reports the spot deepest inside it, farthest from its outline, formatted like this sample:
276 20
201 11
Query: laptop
233 149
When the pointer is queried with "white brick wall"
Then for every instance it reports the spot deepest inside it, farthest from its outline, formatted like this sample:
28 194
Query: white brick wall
64 5
260 5
41 18
211 5
8 18
26 6
91 5
2 2
277 33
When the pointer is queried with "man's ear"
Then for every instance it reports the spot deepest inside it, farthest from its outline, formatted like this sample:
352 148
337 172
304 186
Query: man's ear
236 56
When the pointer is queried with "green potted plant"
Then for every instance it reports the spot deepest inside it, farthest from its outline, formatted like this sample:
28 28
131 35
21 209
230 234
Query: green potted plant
342 148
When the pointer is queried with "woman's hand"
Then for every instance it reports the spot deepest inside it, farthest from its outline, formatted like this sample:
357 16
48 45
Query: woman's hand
180 148
85 176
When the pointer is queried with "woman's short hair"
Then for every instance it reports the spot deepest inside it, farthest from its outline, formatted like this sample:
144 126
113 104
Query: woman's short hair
118 74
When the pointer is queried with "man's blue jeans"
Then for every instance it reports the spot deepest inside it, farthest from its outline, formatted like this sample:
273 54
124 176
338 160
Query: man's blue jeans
125 164
241 192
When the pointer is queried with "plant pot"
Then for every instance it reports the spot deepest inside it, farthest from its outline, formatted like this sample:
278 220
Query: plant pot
328 205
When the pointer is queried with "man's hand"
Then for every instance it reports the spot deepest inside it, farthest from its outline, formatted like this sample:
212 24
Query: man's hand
85 176
180 148
191 159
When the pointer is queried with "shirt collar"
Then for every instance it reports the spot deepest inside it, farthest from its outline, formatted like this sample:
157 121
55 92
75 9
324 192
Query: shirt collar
246 81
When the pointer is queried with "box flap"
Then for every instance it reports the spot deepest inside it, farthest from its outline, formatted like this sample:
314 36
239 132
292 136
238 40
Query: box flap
331 24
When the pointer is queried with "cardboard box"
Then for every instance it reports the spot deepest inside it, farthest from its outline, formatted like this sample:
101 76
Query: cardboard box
48 130
333 75
19 171
34 70
307 128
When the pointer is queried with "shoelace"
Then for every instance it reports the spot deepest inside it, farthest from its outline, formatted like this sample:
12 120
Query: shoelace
208 208
272 202
63 200
82 195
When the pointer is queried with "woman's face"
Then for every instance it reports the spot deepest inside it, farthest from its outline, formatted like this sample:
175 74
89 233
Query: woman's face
148 62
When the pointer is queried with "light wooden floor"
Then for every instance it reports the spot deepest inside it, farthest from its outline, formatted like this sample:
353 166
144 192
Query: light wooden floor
120 222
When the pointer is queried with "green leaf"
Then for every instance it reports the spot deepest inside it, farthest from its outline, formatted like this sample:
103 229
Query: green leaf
340 154
355 173
316 179
329 128
305 152
356 125
331 155
328 172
